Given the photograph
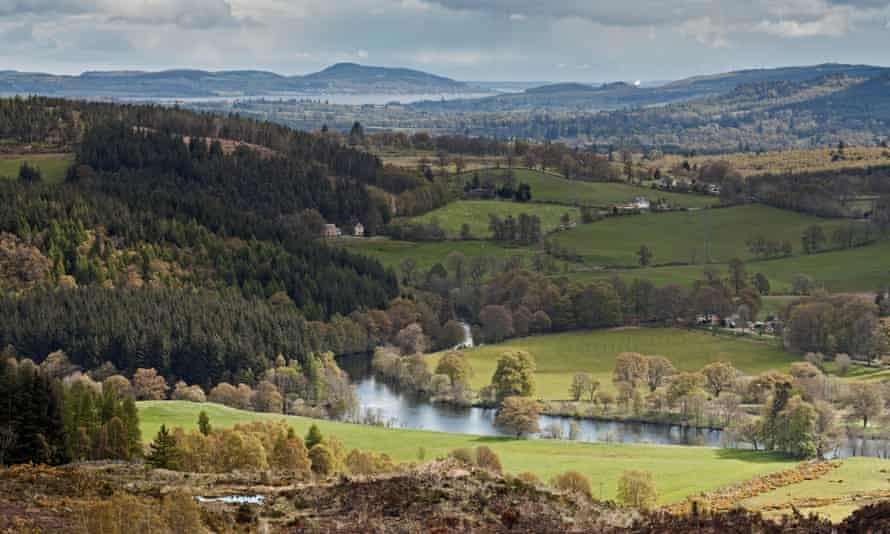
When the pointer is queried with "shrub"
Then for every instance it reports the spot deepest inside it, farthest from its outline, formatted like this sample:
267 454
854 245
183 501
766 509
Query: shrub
487 459
323 462
464 455
529 478
572 481
637 489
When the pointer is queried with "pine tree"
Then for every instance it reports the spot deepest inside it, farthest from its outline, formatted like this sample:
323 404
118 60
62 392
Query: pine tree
204 423
313 437
164 453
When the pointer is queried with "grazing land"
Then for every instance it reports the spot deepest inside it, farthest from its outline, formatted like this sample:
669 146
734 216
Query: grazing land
858 481
549 187
560 356
676 469
391 253
475 213
754 163
854 270
680 236
52 166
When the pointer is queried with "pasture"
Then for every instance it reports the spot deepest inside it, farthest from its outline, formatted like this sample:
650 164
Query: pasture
679 237
854 270
835 493
677 470
560 356
52 166
549 187
391 253
475 213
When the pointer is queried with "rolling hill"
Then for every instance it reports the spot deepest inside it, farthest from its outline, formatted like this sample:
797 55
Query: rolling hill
344 77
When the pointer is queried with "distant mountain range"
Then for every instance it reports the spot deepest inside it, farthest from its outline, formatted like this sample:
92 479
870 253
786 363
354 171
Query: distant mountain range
342 78
613 96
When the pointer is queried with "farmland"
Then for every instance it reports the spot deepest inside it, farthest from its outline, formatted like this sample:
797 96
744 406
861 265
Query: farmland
676 469
52 166
391 253
549 187
854 270
680 236
475 213
560 356
835 492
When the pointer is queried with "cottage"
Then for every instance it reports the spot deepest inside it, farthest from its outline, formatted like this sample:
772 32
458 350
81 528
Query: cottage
330 231
358 230
641 203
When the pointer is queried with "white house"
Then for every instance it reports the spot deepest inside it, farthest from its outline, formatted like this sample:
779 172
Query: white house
641 203
358 230
331 230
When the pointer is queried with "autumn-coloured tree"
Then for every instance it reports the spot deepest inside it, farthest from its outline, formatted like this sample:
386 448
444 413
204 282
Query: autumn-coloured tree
637 489
572 481
519 415
456 366
148 385
268 399
719 376
323 462
514 375
658 368
630 368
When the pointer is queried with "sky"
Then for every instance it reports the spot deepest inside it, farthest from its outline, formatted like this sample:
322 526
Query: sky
482 40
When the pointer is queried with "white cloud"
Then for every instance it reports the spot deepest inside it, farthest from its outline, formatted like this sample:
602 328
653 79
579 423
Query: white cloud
517 17
705 31
362 54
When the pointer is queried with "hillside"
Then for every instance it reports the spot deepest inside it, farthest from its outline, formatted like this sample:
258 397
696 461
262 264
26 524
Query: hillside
622 95
343 77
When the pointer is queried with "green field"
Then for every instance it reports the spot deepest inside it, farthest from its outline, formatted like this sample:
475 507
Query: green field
475 213
391 253
677 470
855 475
854 270
679 236
52 166
560 356
548 187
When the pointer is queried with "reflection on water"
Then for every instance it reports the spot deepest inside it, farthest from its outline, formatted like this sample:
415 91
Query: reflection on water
407 410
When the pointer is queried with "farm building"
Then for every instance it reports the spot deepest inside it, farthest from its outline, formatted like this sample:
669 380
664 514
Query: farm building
331 230
358 230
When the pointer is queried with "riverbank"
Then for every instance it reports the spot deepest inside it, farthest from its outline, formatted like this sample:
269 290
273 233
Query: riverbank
676 469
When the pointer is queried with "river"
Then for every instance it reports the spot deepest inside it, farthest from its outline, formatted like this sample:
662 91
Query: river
405 409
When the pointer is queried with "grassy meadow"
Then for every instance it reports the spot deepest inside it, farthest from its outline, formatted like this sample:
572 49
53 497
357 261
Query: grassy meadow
677 470
855 270
752 163
855 476
549 187
679 236
475 213
560 356
391 253
52 166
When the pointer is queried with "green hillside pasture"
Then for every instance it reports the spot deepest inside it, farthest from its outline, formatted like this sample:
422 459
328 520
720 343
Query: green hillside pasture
548 187
677 470
475 213
854 270
52 166
854 476
679 236
560 356
391 253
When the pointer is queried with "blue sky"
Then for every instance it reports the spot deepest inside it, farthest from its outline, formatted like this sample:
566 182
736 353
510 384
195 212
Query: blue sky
464 39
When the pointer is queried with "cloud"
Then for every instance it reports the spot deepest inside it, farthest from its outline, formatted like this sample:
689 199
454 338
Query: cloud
705 31
517 17
362 54
191 14
833 24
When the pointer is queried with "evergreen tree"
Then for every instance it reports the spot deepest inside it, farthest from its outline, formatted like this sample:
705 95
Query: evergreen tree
313 437
204 423
164 453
